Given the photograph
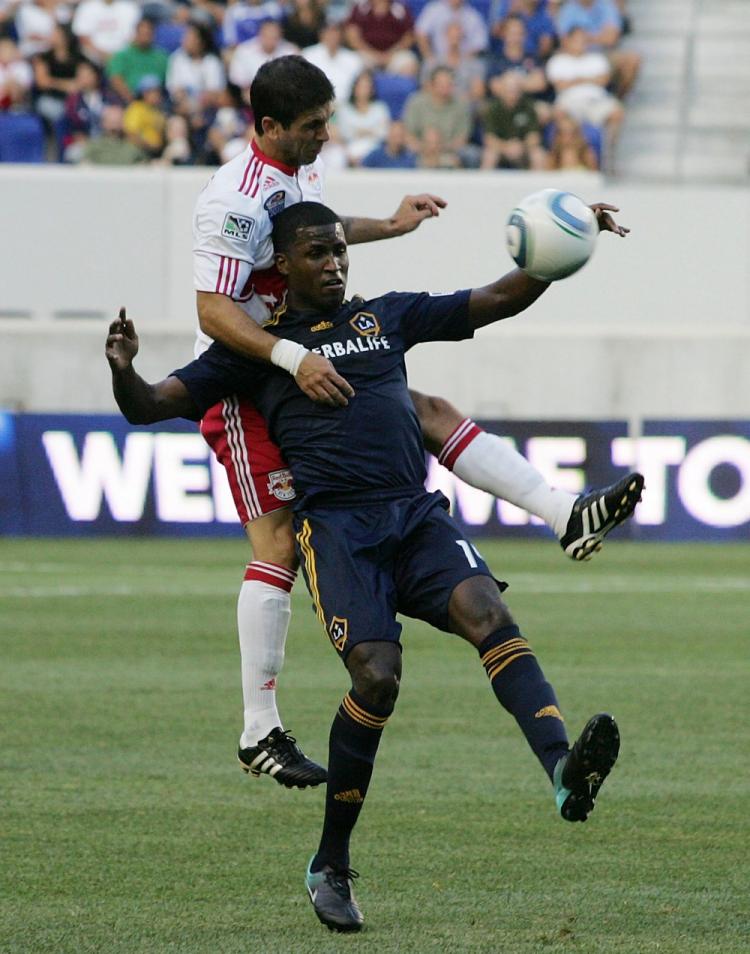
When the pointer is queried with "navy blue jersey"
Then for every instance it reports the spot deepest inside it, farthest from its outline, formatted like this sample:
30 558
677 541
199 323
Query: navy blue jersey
371 450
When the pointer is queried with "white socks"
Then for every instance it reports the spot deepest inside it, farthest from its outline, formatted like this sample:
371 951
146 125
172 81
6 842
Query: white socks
491 463
263 614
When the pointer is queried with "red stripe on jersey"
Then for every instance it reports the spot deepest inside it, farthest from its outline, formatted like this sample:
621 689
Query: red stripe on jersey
254 189
457 442
254 179
221 273
235 272
251 162
270 573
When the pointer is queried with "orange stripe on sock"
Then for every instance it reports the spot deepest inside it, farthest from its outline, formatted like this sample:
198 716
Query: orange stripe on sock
493 672
358 714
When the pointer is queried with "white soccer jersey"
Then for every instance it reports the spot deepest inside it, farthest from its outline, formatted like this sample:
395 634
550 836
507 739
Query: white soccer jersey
232 248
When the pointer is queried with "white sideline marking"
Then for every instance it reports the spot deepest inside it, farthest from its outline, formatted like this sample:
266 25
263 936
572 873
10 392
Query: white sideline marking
520 583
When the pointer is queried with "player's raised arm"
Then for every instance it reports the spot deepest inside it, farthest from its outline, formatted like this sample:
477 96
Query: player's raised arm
514 292
412 211
223 320
139 401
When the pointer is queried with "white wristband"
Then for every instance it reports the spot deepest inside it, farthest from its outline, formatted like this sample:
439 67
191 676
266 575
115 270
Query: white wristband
288 355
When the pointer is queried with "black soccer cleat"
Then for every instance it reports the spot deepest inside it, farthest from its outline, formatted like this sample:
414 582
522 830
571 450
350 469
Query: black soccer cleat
279 756
595 514
332 898
579 775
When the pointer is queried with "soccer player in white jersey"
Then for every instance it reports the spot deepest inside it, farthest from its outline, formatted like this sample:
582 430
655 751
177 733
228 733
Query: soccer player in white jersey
235 279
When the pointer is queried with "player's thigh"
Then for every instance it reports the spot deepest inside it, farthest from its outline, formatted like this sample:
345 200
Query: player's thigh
344 559
259 478
434 559
475 609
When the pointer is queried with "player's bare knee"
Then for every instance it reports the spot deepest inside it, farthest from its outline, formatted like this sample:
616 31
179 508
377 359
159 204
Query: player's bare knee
375 669
272 539
476 609
438 419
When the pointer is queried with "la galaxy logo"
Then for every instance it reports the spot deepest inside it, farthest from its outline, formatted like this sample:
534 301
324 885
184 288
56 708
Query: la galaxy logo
275 203
237 227
281 485
338 631
365 323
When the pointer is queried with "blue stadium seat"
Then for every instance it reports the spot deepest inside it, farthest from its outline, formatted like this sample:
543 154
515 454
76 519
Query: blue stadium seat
394 91
21 138
168 36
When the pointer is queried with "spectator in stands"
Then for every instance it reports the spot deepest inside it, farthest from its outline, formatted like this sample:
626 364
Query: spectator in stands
303 22
603 24
7 16
362 121
111 148
16 77
432 21
144 122
341 66
511 134
135 62
569 148
55 75
541 31
468 69
512 55
382 32
580 78
195 73
394 153
105 26
227 135
438 124
249 56
35 24
83 111
177 151
243 19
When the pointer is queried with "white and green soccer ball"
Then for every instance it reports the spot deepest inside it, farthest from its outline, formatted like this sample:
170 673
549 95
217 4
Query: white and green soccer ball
551 234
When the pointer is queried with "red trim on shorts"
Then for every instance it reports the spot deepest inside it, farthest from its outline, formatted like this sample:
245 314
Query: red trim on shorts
458 441
271 573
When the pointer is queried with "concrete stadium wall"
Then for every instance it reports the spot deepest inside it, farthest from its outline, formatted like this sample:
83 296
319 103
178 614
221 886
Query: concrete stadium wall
655 326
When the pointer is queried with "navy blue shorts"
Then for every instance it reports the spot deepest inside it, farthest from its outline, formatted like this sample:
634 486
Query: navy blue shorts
364 565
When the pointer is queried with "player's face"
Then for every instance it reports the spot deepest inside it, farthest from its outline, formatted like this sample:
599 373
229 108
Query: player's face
316 267
301 143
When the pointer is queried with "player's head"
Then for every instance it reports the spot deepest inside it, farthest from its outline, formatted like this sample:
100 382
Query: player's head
292 101
310 251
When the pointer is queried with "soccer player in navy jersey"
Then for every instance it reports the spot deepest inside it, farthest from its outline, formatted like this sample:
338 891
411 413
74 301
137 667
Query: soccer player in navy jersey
372 541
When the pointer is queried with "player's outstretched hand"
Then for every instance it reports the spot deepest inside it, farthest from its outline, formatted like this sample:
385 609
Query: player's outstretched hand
318 379
122 342
606 223
413 210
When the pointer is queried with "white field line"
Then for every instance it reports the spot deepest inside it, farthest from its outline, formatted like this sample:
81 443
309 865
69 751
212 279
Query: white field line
520 583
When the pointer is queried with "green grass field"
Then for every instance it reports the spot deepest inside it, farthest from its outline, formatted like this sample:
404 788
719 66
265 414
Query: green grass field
127 825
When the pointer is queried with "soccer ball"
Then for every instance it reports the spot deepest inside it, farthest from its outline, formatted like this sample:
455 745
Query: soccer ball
551 234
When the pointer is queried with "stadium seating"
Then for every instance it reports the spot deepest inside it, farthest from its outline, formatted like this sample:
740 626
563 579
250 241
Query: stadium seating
21 138
394 91
169 36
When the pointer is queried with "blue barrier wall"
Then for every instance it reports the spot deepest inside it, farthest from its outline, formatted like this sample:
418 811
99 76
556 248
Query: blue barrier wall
86 475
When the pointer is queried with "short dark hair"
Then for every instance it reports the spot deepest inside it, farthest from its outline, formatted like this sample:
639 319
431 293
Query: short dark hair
287 87
301 215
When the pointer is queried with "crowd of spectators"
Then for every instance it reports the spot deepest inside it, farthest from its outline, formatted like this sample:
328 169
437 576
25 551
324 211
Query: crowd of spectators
518 84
